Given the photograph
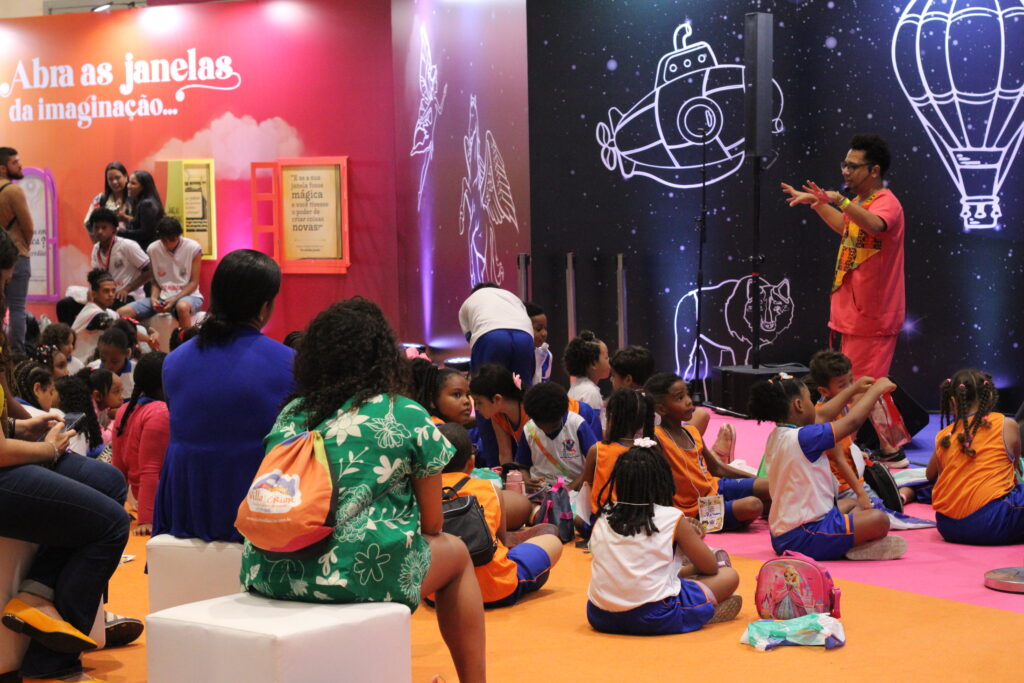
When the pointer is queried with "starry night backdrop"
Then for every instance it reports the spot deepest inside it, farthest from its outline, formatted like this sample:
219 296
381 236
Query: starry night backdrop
833 62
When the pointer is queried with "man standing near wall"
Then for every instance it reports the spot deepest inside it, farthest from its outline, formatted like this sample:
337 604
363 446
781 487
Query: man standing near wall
16 220
868 296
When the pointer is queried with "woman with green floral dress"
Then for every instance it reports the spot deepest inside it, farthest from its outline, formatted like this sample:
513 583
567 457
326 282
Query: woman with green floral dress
386 456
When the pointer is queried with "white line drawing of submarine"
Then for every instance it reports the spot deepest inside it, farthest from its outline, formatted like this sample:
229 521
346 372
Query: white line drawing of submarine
660 136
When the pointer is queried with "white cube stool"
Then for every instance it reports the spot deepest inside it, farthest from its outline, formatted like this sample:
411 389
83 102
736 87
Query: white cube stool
183 570
15 560
249 638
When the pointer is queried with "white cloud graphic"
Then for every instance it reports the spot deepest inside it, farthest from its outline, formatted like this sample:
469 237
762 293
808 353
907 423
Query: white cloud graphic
233 143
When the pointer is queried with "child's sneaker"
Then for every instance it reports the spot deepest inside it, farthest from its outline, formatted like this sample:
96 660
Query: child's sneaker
721 556
727 609
888 548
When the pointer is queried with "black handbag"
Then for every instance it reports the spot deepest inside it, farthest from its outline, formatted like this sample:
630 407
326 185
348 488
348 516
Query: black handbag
464 517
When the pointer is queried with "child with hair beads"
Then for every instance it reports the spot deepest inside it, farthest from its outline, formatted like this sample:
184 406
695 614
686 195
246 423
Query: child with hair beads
517 568
555 440
805 516
630 413
539 320
52 358
444 392
64 338
141 432
976 497
586 359
643 551
75 398
697 471
115 354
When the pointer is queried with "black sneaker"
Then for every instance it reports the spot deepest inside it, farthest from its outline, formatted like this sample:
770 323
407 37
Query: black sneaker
122 630
894 461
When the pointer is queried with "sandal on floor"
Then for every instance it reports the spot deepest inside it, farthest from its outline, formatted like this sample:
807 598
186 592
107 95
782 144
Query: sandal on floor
888 548
727 609
54 634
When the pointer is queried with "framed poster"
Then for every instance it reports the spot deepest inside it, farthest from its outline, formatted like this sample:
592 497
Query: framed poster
190 199
309 199
41 194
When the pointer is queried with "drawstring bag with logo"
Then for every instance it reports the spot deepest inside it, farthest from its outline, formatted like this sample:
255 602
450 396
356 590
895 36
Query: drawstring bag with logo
289 505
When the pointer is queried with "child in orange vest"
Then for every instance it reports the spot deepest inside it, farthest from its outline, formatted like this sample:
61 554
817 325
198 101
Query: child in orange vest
516 568
977 499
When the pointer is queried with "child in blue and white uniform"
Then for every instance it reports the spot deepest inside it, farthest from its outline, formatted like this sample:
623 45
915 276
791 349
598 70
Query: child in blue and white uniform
555 441
804 516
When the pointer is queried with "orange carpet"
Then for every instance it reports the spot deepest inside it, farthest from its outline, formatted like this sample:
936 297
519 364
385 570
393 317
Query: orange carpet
890 634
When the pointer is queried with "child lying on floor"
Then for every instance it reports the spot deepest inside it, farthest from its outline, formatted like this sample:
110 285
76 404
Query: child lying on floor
805 516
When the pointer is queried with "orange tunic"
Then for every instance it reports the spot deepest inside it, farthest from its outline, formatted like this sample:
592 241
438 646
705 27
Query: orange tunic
689 470
498 578
844 444
607 455
966 482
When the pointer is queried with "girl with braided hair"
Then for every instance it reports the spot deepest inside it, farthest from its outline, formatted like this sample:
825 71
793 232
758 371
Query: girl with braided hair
444 392
639 581
804 516
33 383
141 431
976 497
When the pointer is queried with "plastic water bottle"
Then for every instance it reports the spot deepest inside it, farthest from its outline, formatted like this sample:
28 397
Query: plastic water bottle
514 481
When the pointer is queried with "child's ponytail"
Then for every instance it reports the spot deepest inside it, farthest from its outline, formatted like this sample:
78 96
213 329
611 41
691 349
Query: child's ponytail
956 394
629 412
770 399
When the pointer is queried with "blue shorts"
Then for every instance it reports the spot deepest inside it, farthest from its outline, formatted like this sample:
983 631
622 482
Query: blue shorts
688 611
734 489
512 349
998 522
144 307
830 538
532 568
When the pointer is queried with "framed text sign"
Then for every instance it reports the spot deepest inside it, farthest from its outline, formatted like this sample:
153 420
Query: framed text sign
41 194
190 199
309 199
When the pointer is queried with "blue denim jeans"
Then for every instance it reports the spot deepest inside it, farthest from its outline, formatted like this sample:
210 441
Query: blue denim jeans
16 294
75 512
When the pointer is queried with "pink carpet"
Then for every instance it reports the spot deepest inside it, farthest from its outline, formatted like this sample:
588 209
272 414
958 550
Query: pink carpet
931 566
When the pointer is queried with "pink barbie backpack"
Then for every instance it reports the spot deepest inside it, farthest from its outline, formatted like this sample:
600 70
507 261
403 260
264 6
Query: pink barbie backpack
794 585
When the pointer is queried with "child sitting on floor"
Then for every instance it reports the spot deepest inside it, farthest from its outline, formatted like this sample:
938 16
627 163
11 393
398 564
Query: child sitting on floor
34 388
555 440
697 471
586 360
630 414
976 497
639 546
63 337
542 353
443 392
75 398
631 367
141 432
804 515
517 568
115 354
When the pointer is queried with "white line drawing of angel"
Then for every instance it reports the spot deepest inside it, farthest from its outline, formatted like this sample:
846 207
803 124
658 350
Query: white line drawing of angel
429 112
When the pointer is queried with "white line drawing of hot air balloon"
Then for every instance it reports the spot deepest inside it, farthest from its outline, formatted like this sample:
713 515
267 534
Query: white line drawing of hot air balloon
486 201
660 138
430 109
961 66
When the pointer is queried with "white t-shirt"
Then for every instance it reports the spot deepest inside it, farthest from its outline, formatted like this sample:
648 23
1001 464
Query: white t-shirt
585 391
629 571
492 308
173 270
124 261
86 341
800 480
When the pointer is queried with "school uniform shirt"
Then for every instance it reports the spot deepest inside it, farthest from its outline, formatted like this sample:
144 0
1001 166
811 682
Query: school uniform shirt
629 571
124 260
854 456
560 454
543 357
86 340
967 482
173 270
498 578
607 455
800 480
127 376
689 470
585 391
493 308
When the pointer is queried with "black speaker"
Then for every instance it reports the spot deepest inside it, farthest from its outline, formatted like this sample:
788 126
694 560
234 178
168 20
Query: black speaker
730 384
913 413
757 83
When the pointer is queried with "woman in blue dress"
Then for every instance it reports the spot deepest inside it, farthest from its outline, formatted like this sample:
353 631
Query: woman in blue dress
224 390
